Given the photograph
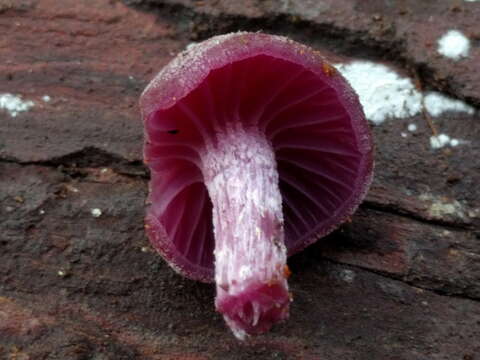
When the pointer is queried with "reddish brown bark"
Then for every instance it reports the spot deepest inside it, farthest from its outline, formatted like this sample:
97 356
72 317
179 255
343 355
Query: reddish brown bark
401 281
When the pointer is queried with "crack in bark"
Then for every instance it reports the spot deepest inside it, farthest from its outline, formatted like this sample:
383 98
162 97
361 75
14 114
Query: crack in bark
355 44
402 212
88 157
83 157
75 163
404 281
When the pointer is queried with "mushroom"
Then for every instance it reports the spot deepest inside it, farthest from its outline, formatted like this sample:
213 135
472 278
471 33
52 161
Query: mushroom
257 147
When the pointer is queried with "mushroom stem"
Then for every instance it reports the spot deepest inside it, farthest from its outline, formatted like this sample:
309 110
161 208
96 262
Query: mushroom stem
241 176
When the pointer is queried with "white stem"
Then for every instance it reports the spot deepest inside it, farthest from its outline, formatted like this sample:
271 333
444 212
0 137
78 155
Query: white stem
242 180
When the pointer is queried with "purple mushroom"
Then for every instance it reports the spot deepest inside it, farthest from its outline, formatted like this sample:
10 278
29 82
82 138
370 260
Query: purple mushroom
257 147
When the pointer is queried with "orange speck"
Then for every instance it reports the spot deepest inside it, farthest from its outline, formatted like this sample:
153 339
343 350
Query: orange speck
147 226
271 282
328 69
286 271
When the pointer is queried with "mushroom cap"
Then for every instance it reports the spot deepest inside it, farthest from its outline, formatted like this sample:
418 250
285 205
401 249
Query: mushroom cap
279 88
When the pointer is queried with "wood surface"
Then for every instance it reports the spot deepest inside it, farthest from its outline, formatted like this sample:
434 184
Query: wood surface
400 281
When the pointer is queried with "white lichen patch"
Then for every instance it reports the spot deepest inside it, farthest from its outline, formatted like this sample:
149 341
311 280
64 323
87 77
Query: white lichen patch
455 142
474 213
439 141
14 104
436 104
454 45
61 273
46 98
440 206
442 140
384 94
96 212
347 275
412 127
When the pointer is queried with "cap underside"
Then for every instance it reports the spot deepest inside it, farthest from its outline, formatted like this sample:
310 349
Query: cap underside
323 160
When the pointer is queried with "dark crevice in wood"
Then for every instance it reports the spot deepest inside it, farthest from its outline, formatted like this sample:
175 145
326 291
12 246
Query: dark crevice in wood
355 44
396 210
402 279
